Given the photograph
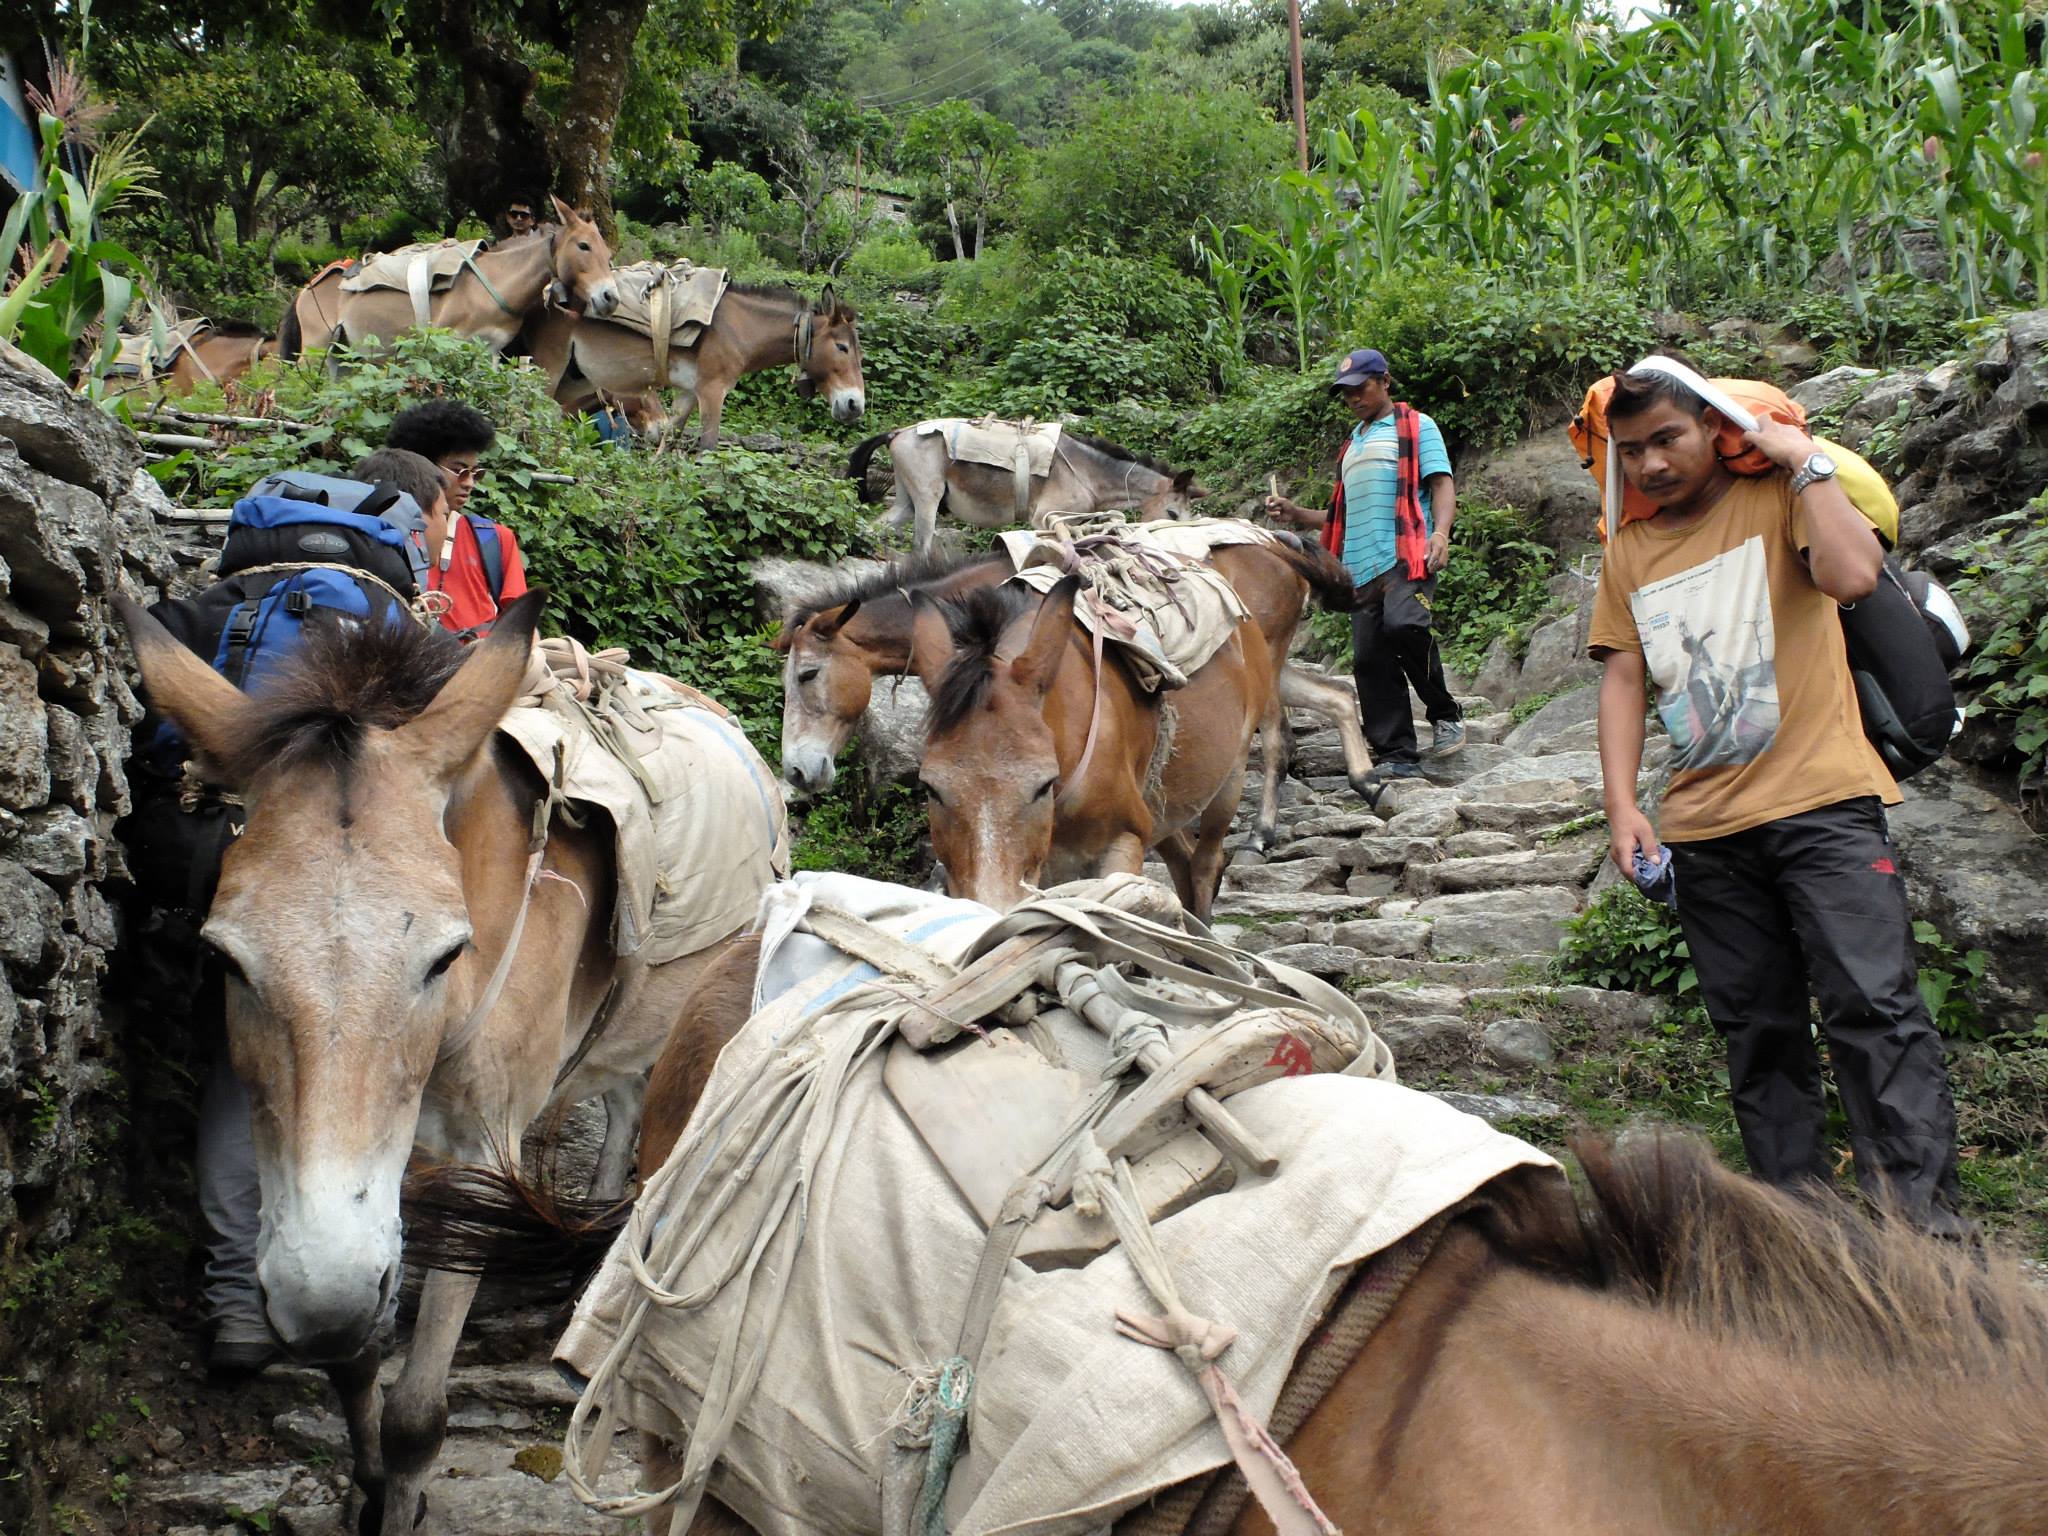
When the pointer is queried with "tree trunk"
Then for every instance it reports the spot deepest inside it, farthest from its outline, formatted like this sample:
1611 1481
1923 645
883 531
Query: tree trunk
980 229
499 151
605 30
953 223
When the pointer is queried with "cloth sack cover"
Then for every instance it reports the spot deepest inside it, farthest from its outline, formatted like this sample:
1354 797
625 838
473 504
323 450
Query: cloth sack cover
683 298
997 443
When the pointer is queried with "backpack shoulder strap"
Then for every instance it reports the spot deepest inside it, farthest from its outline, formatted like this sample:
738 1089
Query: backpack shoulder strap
492 551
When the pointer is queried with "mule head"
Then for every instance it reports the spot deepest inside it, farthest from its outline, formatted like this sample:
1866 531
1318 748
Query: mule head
991 769
582 264
832 365
1172 499
343 924
827 683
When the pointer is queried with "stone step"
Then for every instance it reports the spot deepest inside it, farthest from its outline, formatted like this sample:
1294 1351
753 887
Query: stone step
1292 875
1499 971
1595 1005
1500 1108
1411 1000
1308 904
1568 864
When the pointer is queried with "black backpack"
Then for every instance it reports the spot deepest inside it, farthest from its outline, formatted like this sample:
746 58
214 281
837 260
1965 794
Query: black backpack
1904 640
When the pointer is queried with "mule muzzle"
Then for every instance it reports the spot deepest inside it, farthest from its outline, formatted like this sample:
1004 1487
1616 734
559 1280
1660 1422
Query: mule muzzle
807 771
848 405
603 300
326 1303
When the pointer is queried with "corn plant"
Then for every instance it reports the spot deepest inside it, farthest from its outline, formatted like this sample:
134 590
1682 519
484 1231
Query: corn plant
1296 261
74 284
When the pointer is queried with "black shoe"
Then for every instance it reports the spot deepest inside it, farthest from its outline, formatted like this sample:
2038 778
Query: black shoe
233 1359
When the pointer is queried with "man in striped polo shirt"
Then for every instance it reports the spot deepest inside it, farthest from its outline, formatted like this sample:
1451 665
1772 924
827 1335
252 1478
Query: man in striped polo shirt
1390 523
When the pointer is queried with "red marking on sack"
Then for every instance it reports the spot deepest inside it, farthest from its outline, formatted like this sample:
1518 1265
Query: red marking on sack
1292 1057
1884 866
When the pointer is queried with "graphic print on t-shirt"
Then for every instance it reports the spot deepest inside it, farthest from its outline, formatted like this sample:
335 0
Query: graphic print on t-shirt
1708 642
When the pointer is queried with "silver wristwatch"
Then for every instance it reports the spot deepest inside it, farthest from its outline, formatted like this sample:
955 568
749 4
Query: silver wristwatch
1818 466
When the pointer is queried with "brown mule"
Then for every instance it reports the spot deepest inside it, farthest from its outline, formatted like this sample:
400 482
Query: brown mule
562 265
219 354
1044 761
754 328
1676 1350
402 974
838 644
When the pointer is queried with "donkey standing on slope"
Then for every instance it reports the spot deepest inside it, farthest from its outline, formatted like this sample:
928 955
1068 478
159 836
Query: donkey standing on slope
589 359
405 971
1089 474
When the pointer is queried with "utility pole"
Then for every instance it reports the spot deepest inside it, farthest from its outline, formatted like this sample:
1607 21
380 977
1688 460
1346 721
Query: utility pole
856 177
1294 65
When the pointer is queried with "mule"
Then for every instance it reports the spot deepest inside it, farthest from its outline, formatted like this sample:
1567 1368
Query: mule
402 976
1044 760
753 328
565 265
1665 1349
837 644
1088 474
220 354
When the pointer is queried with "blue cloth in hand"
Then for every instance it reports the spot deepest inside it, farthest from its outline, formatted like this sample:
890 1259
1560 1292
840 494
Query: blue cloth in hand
1659 880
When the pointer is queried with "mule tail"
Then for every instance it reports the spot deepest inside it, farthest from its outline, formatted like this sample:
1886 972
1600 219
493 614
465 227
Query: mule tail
857 463
291 337
473 1219
1326 575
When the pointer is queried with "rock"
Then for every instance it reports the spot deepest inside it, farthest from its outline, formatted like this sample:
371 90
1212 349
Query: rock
1499 673
1389 852
1291 875
24 733
1373 883
1467 762
1528 867
1261 937
1471 936
1790 354
1403 1002
1431 1040
1383 936
1321 821
1327 960
1520 1045
534 1387
1829 393
1582 768
1500 971
1556 658
1737 330
61 434
1474 845
1596 1005
313 1431
1296 849
1522 901
1523 818
1498 1108
1542 478
1308 904
1566 712
217 1495
30 918
1424 821
892 731
1976 871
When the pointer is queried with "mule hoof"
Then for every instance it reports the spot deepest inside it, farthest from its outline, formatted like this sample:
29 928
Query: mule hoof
1262 839
419 1514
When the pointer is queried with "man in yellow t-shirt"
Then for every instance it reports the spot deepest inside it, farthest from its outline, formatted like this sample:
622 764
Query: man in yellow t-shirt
1774 817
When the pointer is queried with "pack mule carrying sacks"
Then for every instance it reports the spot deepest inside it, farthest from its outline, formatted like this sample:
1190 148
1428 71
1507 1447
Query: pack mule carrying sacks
1903 640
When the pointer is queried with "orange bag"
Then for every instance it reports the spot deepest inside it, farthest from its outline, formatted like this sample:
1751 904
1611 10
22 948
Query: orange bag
1589 435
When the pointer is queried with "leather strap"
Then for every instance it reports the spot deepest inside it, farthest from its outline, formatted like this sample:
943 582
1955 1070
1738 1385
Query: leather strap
659 300
1073 785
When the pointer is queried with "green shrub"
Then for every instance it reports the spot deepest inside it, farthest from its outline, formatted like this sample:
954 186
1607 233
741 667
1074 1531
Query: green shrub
1279 423
2004 595
1627 942
1493 587
877 833
892 260
1949 979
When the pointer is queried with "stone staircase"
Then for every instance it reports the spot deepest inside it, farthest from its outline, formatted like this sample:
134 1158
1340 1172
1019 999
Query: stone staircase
1440 911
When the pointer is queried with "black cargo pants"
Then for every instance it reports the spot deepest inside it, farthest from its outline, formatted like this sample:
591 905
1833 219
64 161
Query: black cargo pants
1385 664
1815 899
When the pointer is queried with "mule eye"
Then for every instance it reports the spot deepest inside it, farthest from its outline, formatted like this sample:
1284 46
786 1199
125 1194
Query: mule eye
582 245
843 347
807 675
1044 789
440 967
932 790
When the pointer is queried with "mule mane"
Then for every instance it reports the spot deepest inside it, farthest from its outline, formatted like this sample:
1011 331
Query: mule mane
1122 454
1817 1280
894 579
976 621
345 680
784 291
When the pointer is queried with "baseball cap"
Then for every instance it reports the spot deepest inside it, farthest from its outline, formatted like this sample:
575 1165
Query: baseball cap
1358 366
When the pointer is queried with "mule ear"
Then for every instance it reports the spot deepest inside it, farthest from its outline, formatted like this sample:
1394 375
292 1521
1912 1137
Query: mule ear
1038 664
829 624
445 735
563 212
211 711
1184 482
828 301
931 642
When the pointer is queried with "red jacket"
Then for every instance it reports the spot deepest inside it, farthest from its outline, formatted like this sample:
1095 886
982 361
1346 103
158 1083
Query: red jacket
473 609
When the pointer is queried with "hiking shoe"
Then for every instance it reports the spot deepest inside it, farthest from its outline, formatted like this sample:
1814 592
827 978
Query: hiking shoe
1446 738
230 1358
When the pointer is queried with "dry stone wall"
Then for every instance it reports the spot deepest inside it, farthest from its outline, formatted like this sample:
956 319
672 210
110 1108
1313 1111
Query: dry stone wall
77 525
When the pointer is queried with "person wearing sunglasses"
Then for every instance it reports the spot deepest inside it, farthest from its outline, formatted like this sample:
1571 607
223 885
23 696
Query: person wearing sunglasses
472 558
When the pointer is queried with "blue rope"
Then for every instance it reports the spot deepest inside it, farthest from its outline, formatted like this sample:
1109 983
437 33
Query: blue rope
949 1435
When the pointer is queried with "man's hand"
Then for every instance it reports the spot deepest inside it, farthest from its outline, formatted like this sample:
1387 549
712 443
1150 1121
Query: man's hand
1628 831
1439 553
1787 447
1281 510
